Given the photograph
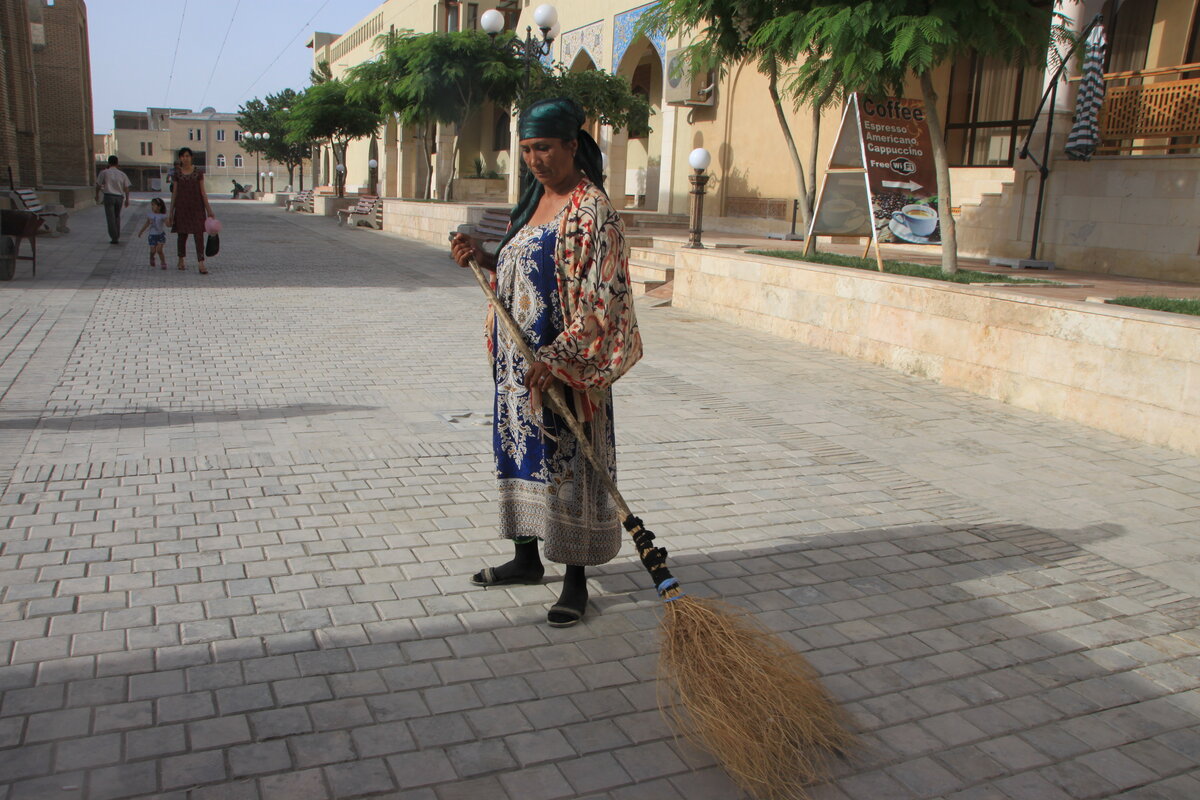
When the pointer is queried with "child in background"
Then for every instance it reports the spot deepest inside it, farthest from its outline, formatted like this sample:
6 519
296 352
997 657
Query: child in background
156 221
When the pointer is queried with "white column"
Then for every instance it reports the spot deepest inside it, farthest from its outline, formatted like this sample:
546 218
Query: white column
666 167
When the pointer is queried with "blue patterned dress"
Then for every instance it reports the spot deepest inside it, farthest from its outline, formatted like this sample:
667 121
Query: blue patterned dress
548 488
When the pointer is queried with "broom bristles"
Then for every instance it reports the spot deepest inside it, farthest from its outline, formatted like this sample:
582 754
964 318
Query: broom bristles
741 693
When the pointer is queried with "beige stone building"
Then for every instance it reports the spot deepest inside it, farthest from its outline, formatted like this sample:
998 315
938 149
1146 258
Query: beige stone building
1132 210
45 96
145 142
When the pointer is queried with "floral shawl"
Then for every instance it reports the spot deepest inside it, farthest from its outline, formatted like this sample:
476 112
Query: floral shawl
601 339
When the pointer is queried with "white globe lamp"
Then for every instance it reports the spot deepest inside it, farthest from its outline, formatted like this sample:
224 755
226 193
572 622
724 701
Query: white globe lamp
700 159
492 21
544 16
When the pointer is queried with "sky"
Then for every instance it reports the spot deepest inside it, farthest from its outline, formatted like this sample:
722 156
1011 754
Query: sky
133 47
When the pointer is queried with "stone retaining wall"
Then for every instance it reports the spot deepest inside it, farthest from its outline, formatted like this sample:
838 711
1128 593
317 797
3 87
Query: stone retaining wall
1135 373
429 222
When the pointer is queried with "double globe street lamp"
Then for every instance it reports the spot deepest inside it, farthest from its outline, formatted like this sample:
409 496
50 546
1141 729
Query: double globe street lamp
258 139
544 16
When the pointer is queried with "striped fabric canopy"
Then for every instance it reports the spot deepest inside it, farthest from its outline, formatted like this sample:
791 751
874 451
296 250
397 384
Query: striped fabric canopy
1085 132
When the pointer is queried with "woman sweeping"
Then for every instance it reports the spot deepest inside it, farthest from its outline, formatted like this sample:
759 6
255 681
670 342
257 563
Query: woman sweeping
562 271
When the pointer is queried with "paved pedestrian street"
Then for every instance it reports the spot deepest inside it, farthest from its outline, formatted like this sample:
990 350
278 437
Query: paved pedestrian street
240 511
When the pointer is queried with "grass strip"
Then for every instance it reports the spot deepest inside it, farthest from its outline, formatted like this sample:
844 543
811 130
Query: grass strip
930 271
1176 305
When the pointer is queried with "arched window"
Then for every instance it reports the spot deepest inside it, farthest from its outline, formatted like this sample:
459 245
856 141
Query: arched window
237 159
220 160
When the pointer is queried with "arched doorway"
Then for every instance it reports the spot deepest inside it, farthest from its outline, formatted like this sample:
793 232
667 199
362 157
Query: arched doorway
642 149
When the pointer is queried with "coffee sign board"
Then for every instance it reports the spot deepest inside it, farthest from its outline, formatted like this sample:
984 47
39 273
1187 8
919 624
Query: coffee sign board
900 169
881 181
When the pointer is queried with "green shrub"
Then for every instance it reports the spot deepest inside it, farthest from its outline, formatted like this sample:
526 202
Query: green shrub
931 271
1177 305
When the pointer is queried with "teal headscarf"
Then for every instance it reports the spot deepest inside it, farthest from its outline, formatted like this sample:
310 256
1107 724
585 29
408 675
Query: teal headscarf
557 118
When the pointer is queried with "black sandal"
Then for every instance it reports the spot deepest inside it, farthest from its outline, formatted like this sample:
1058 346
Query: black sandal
487 577
569 616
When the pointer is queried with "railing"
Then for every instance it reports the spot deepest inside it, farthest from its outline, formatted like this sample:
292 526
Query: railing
1161 115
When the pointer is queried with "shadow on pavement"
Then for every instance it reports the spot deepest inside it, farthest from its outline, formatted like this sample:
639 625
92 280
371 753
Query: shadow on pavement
162 418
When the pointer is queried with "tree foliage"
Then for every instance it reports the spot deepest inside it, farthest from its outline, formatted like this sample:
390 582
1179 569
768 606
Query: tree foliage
438 78
325 112
270 116
604 96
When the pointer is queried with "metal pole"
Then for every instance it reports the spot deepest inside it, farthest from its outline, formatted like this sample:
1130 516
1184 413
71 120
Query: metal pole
1043 175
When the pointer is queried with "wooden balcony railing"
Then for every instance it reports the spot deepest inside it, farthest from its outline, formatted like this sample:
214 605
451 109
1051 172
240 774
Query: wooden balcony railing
1151 111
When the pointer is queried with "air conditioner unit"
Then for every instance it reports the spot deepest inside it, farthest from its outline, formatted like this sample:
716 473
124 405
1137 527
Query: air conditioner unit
684 89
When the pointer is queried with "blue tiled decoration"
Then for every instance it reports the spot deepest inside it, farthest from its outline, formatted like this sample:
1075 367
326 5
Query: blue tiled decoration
587 38
623 26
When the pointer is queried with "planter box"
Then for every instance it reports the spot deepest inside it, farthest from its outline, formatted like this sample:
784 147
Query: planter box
487 189
429 221
1132 372
327 205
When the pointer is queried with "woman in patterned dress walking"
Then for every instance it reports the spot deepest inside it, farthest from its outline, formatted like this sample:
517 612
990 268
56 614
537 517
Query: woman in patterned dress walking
189 207
563 273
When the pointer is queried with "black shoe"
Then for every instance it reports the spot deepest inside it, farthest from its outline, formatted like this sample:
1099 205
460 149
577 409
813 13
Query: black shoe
114 241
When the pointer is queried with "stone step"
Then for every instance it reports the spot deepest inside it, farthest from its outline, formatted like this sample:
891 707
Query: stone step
642 220
652 256
648 273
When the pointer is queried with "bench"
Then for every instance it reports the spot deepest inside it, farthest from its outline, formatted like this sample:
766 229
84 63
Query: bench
301 202
17 225
368 210
29 201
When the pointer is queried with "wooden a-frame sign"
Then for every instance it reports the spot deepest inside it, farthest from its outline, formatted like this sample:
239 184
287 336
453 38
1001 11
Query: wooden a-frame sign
878 176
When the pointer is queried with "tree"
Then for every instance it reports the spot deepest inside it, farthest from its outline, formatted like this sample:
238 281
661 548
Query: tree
271 117
325 112
440 78
605 97
724 37
872 47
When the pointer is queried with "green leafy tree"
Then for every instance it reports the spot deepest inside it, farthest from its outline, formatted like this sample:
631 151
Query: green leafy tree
326 113
271 117
604 96
873 47
723 36
440 78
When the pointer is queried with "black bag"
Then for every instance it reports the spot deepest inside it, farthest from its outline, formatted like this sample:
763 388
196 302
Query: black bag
213 245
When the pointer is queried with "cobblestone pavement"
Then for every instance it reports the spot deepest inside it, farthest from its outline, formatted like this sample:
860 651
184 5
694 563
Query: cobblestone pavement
240 510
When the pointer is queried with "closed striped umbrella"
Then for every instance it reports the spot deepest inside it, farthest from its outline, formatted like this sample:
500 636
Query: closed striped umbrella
1085 132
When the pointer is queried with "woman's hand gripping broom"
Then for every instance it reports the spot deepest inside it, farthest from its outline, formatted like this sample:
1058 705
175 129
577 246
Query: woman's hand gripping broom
728 684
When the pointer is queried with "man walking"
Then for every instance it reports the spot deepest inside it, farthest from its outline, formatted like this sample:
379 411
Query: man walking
114 185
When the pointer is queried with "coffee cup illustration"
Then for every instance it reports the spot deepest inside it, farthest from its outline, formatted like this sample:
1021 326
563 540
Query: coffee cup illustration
920 220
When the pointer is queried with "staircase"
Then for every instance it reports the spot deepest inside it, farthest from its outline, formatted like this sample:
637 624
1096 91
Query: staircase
973 186
650 267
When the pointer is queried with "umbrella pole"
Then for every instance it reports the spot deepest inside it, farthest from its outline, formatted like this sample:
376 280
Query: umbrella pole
732 687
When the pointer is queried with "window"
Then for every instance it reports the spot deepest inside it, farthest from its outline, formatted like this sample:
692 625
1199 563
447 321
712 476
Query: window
220 160
149 148
143 148
199 131
451 16
220 134
238 136
991 105
191 135
1129 34
237 159
473 16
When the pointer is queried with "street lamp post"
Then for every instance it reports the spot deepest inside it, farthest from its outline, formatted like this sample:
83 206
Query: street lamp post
544 16
699 159
258 139
341 178
372 165
271 175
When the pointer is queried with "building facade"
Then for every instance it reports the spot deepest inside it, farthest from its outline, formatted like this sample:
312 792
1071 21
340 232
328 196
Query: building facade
45 94
1131 210
145 142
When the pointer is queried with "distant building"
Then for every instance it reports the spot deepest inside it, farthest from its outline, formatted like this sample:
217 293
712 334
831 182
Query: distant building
146 143
45 94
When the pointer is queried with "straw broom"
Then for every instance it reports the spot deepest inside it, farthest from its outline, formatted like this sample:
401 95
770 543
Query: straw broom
732 687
